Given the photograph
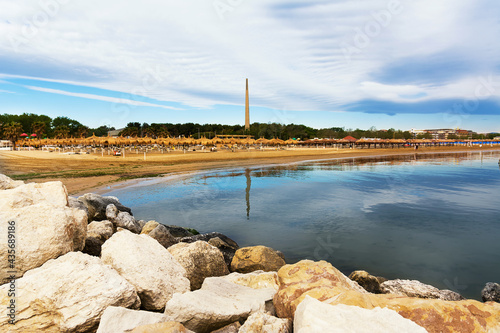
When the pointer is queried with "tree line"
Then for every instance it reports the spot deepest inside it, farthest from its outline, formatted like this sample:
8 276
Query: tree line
12 126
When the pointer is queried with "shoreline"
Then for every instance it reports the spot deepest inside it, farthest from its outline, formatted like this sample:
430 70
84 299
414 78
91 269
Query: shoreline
93 172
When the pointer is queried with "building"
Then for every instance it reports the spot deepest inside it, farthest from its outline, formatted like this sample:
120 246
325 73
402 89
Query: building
5 145
442 133
115 133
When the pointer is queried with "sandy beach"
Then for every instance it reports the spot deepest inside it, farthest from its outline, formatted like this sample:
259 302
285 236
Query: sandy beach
89 171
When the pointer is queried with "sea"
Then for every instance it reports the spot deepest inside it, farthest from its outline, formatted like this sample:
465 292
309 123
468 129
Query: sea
428 217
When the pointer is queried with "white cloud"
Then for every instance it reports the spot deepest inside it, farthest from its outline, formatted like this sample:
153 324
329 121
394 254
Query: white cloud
292 57
100 98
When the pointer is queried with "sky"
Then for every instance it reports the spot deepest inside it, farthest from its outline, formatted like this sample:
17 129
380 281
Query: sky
351 63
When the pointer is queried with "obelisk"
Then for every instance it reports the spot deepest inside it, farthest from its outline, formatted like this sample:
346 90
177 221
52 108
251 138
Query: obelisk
247 111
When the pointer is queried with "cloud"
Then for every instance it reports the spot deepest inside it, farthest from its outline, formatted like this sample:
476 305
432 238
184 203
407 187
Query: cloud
6 92
291 51
100 98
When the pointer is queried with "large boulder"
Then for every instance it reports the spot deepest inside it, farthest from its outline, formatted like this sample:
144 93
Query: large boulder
160 233
40 224
414 288
255 280
147 265
217 304
6 183
265 323
200 260
254 258
123 220
369 282
102 230
96 205
67 294
318 279
313 316
491 292
322 281
225 244
120 320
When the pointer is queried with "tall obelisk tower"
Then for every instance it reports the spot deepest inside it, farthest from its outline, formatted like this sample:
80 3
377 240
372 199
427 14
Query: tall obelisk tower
247 111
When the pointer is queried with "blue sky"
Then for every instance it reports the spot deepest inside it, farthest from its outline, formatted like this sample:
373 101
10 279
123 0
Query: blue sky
355 64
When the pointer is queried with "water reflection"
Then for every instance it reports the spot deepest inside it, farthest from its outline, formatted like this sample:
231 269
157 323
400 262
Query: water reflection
247 191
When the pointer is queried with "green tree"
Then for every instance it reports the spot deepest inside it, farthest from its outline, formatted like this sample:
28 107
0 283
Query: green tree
13 131
38 127
62 132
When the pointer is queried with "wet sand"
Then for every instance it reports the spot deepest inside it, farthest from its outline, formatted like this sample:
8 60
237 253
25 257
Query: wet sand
90 171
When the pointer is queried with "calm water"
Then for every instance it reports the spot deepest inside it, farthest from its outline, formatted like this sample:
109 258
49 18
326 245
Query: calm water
431 218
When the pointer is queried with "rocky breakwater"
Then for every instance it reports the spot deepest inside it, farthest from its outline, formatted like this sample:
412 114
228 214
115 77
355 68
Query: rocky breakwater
86 264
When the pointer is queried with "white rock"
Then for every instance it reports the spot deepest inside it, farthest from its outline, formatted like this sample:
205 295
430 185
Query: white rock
200 260
313 316
414 288
67 294
147 265
7 183
264 323
217 304
45 228
120 320
255 279
102 230
53 193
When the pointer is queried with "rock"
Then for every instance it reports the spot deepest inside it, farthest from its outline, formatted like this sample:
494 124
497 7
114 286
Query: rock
93 246
262 322
141 223
102 230
217 304
147 265
322 281
117 319
255 279
122 219
313 316
6 183
225 244
249 259
168 327
160 233
369 282
414 288
75 203
96 205
52 193
200 260
227 250
177 231
231 328
491 292
209 236
318 279
44 226
67 294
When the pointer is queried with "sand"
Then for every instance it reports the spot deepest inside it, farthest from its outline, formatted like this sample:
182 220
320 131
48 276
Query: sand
87 172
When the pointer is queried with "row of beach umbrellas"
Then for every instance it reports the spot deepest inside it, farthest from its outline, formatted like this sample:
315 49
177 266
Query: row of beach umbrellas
189 141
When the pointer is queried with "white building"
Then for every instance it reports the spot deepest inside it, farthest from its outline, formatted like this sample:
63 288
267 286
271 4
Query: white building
5 145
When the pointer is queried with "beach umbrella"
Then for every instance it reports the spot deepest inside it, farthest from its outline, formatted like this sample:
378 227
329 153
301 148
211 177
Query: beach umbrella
24 135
